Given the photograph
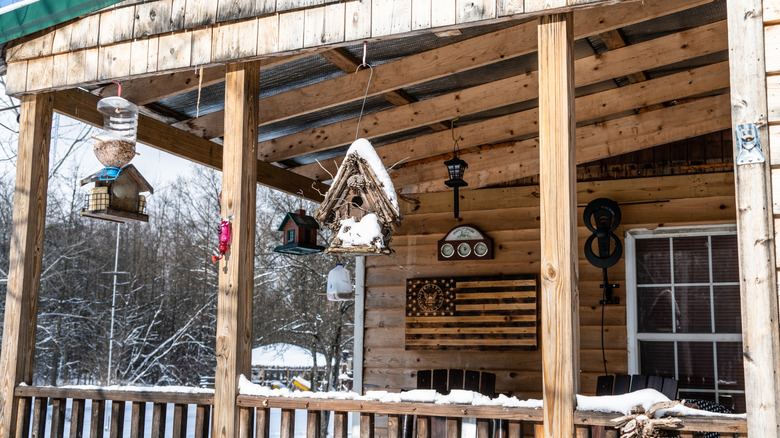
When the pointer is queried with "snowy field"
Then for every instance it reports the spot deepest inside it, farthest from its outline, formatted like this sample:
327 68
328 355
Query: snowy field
276 418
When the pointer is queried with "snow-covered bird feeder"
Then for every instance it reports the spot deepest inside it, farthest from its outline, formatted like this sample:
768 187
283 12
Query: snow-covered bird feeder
339 284
361 206
115 145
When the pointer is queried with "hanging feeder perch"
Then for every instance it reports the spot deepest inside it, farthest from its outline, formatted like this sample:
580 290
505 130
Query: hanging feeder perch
361 206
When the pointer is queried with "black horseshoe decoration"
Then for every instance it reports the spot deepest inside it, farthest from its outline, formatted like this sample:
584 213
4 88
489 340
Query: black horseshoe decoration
602 217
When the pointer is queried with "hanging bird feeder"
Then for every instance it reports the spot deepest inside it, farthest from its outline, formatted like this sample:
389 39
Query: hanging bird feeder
115 145
299 234
340 284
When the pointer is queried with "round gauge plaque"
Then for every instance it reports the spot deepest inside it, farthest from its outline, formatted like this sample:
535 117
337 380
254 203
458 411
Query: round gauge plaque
447 250
464 249
480 249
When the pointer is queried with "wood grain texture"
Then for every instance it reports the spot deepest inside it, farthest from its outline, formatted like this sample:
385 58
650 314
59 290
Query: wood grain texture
558 204
29 215
755 225
236 270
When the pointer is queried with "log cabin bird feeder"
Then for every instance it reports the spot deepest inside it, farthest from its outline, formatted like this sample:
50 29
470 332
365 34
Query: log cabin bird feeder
361 206
455 169
299 234
118 199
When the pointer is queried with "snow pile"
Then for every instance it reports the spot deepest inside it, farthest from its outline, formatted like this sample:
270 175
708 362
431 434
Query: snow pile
245 387
166 389
361 233
284 355
645 398
364 150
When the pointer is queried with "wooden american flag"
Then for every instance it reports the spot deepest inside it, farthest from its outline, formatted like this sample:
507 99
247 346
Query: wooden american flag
472 313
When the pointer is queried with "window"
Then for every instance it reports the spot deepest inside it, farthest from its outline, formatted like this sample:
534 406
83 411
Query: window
291 236
683 311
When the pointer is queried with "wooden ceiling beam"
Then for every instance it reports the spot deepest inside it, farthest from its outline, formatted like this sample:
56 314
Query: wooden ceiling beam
649 54
81 105
594 142
433 64
344 60
153 88
595 106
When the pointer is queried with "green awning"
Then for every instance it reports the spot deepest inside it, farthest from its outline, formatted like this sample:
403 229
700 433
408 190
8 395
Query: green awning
43 14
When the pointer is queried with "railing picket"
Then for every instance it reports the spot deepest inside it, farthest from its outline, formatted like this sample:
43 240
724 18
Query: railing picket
262 423
202 417
538 431
394 427
245 425
179 420
582 431
287 429
339 425
501 428
408 426
483 427
57 418
117 419
366 425
159 411
96 420
137 420
77 418
454 427
24 405
313 424
39 417
514 429
423 427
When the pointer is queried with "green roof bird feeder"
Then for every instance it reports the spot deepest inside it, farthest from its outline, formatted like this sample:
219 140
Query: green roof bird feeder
299 235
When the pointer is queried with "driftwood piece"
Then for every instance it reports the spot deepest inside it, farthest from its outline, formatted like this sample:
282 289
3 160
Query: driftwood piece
641 424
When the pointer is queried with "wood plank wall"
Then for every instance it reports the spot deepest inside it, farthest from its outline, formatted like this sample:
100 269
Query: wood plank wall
511 217
772 57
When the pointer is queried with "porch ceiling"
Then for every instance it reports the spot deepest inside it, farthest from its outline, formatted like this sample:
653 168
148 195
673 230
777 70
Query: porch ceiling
638 86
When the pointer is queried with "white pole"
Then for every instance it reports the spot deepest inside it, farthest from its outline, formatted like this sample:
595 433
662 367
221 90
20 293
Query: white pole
357 361
113 307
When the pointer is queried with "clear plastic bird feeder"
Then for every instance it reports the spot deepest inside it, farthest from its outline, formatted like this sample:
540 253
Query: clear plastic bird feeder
339 284
116 142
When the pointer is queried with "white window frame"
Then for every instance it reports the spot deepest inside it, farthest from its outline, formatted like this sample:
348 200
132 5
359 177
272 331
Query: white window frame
633 336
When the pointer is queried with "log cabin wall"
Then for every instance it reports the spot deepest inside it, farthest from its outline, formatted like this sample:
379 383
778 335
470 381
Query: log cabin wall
511 217
772 59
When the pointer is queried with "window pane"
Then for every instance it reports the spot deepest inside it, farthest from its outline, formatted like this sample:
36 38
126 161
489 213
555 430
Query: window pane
691 260
652 261
725 259
657 358
654 310
693 312
730 372
728 317
695 365
735 402
695 396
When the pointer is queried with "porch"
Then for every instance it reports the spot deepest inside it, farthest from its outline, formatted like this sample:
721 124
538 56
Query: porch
377 419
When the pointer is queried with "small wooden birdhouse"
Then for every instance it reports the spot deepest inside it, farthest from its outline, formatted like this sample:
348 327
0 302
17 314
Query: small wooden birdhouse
117 200
361 206
299 234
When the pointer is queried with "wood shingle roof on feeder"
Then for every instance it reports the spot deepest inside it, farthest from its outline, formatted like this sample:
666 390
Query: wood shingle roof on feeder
361 206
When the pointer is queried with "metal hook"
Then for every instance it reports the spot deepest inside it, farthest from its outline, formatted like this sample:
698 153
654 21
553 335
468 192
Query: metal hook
452 130
119 88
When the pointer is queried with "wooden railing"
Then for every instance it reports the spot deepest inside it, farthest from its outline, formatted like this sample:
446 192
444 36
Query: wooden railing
402 418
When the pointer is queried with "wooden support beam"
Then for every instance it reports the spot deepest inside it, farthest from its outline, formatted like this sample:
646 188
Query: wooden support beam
236 270
422 67
81 106
755 228
678 47
24 273
558 204
594 142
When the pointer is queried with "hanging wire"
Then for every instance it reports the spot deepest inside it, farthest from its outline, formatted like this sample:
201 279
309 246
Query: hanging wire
455 146
365 96
119 88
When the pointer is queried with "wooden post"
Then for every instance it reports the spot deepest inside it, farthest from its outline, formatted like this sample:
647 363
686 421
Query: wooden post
557 181
755 230
24 276
236 270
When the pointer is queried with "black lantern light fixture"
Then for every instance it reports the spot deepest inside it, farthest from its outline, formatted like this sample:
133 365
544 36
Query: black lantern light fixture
455 168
